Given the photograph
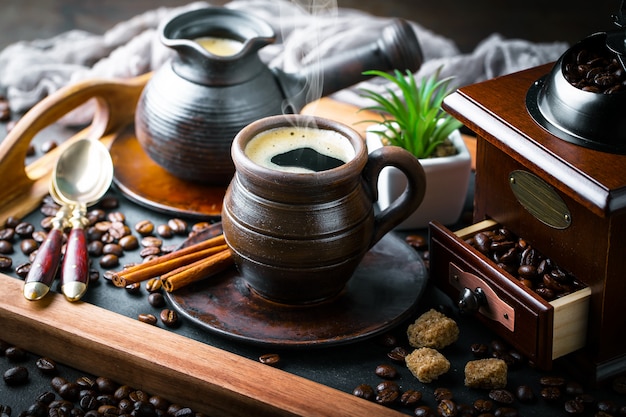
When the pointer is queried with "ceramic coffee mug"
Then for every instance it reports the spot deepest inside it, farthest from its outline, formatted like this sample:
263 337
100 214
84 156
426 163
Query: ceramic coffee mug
299 213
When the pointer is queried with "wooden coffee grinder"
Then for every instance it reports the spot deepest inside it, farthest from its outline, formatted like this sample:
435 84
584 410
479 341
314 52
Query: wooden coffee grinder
551 167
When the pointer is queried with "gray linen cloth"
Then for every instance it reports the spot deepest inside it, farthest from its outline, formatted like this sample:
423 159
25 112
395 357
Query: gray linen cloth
31 70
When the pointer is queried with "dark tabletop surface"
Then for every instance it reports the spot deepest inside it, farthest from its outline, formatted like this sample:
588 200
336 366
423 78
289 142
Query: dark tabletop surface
341 367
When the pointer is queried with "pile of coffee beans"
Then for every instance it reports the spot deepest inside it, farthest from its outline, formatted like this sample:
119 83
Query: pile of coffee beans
84 396
553 392
109 238
597 71
521 260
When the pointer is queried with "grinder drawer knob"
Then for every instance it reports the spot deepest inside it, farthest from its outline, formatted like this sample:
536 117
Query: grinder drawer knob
470 301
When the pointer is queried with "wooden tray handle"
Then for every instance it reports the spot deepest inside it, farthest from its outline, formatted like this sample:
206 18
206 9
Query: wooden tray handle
25 186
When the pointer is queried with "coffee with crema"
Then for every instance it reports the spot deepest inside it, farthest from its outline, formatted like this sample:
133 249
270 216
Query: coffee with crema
299 149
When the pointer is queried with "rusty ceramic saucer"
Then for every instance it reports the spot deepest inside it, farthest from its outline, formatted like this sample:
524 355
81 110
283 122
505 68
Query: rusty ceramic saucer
384 291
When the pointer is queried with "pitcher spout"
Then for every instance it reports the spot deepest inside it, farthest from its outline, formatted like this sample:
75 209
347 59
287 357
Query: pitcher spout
217 46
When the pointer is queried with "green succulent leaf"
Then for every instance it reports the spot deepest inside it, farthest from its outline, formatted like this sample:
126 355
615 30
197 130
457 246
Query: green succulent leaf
412 112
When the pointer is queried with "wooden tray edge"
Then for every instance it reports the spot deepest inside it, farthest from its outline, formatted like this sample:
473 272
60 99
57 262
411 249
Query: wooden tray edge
205 378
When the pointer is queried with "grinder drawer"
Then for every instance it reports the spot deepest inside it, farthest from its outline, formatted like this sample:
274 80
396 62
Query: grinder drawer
541 330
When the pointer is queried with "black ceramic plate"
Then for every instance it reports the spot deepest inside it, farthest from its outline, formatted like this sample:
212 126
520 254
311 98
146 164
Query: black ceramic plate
383 292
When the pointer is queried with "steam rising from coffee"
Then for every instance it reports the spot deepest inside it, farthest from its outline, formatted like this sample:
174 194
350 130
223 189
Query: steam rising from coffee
322 13
303 149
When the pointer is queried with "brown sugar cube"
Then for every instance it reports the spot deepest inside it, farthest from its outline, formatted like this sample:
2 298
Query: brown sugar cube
427 364
486 373
434 330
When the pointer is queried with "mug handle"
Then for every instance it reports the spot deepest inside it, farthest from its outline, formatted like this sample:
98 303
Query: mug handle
402 207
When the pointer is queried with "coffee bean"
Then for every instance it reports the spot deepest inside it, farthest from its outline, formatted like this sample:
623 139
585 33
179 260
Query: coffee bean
138 396
525 394
134 288
57 382
154 285
88 402
109 261
116 217
106 385
48 145
39 236
151 241
424 411
550 393
118 230
12 221
95 248
410 397
107 399
5 263
573 407
442 394
109 203
113 248
607 406
159 402
24 230
483 405
46 365
506 412
387 384
45 397
398 354
69 391
387 396
144 227
386 371
129 242
178 226
447 408
552 381
7 234
479 350
16 354
156 299
23 269
364 391
184 412
169 317
165 231
150 251
6 247
28 246
272 359
147 318
86 382
17 375
501 396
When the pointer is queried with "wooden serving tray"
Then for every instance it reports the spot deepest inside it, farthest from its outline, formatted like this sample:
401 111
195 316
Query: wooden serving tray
207 379
101 342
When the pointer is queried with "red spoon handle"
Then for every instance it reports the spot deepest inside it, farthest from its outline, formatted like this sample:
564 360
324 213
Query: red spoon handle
44 267
46 261
75 270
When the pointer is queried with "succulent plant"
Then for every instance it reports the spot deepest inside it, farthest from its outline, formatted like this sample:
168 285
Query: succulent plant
412 116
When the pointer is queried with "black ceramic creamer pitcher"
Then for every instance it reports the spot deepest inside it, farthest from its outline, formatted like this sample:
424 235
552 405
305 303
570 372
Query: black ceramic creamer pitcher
194 105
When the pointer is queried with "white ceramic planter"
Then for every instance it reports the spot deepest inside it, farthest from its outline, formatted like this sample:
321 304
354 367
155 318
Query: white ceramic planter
447 181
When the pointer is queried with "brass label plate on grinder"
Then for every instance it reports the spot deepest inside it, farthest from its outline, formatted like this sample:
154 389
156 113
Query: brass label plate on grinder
540 199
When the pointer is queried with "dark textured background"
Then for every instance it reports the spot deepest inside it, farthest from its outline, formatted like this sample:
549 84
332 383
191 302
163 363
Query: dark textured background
466 22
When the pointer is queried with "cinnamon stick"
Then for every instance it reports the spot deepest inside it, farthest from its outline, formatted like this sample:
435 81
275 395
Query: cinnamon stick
197 271
168 262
